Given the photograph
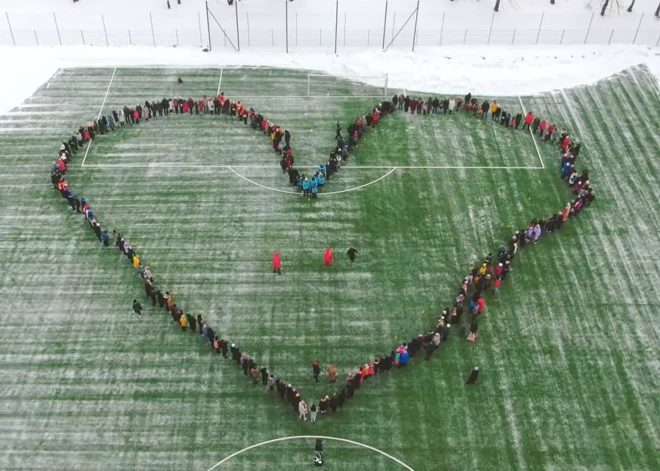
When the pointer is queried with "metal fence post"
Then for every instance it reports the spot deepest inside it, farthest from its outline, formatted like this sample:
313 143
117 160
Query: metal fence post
238 33
320 41
336 22
286 25
176 31
247 15
393 23
442 28
513 40
107 43
208 25
540 26
344 29
368 37
153 35
384 23
491 27
199 23
561 41
57 28
638 26
465 37
296 28
35 37
272 38
415 30
130 40
10 29
610 40
82 36
589 29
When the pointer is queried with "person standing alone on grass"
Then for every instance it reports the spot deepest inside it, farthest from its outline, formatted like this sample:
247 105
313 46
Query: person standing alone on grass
137 308
351 253
277 263
327 258
473 376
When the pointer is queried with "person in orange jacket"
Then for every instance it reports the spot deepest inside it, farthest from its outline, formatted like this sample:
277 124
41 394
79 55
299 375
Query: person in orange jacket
183 322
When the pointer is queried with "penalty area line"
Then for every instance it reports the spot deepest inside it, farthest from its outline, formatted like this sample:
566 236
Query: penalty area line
538 152
351 167
89 144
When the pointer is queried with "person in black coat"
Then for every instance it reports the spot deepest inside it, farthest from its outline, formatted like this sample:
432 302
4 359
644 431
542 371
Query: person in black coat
334 402
235 353
210 333
518 120
160 298
473 376
137 308
341 399
192 322
264 376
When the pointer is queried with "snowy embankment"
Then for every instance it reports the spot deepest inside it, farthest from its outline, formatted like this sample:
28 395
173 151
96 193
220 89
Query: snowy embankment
494 70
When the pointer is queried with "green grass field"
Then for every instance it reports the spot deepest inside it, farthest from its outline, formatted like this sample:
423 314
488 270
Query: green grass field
568 350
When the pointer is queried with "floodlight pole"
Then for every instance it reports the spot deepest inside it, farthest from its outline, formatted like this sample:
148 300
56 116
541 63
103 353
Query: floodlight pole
385 23
415 31
208 25
238 34
286 14
336 23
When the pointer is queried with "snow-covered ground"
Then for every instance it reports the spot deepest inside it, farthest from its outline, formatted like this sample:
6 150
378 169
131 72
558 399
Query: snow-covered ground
495 71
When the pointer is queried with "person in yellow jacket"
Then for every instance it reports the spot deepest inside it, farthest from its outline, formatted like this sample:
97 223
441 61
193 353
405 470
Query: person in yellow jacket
484 269
493 108
183 321
136 261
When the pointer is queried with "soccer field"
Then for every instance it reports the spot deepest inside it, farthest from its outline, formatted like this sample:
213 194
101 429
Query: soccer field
567 351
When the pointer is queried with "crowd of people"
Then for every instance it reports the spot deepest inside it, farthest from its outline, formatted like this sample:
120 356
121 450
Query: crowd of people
482 278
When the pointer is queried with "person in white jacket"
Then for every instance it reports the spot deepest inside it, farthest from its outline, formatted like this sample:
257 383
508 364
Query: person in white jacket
452 105
302 409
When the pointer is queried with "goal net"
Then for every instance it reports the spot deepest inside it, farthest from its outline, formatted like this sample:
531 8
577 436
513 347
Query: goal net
332 86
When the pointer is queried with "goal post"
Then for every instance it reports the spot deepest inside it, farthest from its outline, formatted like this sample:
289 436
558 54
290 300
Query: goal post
333 86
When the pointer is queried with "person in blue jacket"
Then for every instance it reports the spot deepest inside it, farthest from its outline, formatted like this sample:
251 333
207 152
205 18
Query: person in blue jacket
306 186
315 191
403 361
320 179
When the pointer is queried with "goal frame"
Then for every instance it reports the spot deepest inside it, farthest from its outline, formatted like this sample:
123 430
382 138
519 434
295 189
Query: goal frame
358 78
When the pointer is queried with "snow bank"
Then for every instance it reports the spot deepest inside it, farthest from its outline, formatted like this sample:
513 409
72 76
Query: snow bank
494 71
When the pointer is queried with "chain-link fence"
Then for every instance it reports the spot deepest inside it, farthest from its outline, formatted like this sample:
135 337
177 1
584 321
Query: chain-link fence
332 29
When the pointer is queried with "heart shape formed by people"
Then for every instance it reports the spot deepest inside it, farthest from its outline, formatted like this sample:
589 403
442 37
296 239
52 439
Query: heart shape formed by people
277 136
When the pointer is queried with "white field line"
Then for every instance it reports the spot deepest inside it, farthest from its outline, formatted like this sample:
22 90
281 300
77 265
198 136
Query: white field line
297 193
89 144
538 152
312 437
353 167
361 186
219 83
264 186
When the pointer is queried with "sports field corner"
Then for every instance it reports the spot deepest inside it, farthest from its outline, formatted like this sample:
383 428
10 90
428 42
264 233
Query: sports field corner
567 350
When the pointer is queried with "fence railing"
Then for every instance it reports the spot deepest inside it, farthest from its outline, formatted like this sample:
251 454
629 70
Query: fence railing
343 31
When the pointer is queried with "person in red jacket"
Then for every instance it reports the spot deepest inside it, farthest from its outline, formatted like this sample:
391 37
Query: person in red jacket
277 263
565 143
413 106
482 305
327 259
136 117
542 127
528 120
185 107
551 130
